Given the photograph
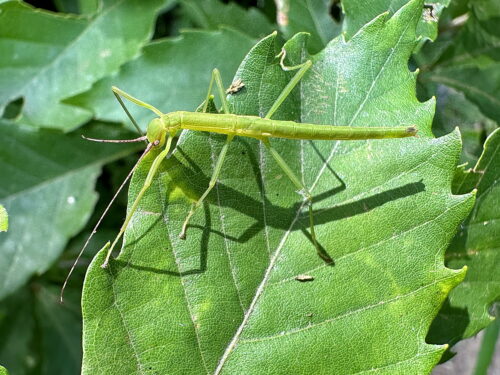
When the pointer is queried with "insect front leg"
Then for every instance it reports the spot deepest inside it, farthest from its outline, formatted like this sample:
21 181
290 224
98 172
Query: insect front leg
118 93
125 109
220 90
306 193
147 183
213 181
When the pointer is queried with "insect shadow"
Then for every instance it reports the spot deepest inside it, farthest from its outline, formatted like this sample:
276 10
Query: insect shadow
281 218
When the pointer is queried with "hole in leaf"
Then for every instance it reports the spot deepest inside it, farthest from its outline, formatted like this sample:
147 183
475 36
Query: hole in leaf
14 108
167 23
336 11
47 4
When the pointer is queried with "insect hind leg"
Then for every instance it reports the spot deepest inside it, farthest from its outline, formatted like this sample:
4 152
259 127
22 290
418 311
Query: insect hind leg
303 68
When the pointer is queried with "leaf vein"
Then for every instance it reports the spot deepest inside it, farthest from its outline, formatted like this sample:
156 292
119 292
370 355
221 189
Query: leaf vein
349 313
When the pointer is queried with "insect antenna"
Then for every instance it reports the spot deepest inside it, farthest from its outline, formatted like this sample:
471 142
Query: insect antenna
140 139
148 148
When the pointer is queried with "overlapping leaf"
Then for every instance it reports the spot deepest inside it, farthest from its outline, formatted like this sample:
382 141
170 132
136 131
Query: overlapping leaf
471 63
49 194
47 57
477 246
227 297
357 13
455 110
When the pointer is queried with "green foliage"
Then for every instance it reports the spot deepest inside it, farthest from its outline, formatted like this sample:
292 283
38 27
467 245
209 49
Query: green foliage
42 50
233 302
475 245
357 13
387 210
458 111
464 63
38 334
50 190
471 61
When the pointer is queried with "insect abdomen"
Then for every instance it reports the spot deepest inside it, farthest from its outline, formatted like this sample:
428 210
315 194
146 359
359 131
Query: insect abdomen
257 127
294 130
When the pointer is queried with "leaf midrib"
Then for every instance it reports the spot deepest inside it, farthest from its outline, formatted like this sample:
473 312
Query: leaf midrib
276 254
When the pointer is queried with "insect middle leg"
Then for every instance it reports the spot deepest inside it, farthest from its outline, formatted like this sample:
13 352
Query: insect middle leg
305 192
302 69
218 166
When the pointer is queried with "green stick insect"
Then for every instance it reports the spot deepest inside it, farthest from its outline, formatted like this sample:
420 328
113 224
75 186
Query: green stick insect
162 130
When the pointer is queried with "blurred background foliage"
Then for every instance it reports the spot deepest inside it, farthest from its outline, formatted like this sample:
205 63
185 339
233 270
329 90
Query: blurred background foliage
54 186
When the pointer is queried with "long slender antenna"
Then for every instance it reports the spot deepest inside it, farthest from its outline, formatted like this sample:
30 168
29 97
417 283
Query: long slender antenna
140 139
148 148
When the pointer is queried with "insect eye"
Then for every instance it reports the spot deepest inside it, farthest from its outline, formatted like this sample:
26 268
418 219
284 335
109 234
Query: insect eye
156 143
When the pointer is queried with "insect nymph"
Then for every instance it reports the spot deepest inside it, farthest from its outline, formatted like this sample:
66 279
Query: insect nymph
162 130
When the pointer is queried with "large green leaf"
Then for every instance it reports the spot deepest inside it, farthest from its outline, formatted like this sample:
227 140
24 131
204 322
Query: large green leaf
227 297
476 245
3 371
47 56
170 74
49 193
